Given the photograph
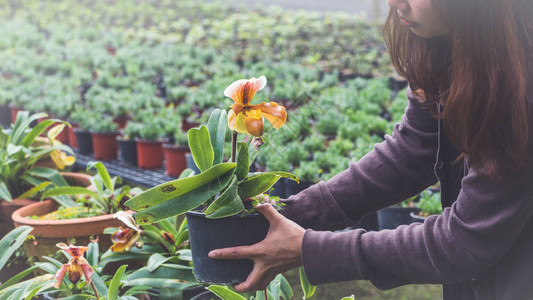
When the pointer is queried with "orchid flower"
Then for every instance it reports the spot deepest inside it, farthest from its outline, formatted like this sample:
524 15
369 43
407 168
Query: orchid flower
246 118
76 267
61 159
125 238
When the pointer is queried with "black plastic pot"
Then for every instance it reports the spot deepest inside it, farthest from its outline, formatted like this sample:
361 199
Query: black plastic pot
85 141
394 216
280 188
294 187
209 234
368 222
5 116
190 163
127 151
416 218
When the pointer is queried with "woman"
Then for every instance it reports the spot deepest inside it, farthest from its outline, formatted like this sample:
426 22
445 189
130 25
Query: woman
468 125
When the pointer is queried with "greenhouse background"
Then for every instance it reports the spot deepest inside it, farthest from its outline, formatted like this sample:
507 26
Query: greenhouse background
151 70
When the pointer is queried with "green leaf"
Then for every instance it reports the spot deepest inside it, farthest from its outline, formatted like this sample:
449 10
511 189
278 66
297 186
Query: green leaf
260 183
275 288
99 283
22 123
172 189
15 279
184 202
36 131
162 276
4 192
93 253
352 297
307 288
225 293
229 202
70 190
102 171
11 242
186 173
286 288
167 226
112 293
201 149
243 163
217 126
34 190
155 261
47 173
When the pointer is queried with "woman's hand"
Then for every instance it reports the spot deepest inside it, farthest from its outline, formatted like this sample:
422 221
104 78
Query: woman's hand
281 250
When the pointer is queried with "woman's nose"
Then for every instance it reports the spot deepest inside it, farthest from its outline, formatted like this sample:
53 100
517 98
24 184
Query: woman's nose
400 5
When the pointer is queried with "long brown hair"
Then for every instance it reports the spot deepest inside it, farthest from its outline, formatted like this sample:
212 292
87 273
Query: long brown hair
479 72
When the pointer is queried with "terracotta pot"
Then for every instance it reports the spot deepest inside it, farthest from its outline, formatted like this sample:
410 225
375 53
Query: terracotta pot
7 208
72 140
175 159
50 232
149 154
105 145
14 111
121 121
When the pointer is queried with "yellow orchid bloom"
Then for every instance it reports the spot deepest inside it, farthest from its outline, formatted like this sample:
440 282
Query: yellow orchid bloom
246 118
76 267
61 159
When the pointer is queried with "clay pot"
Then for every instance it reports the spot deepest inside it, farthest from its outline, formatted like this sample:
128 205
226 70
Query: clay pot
105 145
175 159
72 140
14 111
149 154
121 121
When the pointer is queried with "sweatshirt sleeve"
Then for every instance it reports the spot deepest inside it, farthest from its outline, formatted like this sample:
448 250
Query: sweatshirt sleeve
467 239
395 170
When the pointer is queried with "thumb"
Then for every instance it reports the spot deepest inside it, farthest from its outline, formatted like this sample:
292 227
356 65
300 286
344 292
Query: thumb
270 213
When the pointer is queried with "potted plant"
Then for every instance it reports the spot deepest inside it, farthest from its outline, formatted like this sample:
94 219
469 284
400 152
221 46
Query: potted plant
21 179
84 118
429 204
127 147
93 212
216 214
175 153
104 134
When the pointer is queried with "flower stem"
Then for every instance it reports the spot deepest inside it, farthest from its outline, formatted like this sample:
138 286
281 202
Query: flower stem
95 290
234 146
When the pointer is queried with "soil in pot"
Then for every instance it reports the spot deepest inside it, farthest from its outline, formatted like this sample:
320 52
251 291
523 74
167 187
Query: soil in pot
85 141
175 159
149 154
127 151
105 145
209 234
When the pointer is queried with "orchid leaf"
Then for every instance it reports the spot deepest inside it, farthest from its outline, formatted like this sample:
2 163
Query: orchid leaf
229 202
307 288
34 190
102 171
225 293
156 260
4 192
175 188
201 148
35 132
165 275
112 293
70 190
184 202
22 123
261 182
11 242
48 173
217 126
243 163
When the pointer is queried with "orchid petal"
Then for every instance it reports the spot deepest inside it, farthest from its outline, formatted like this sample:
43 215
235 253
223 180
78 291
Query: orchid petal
239 124
87 272
60 274
273 112
231 119
254 126
127 219
74 271
124 239
242 91
56 158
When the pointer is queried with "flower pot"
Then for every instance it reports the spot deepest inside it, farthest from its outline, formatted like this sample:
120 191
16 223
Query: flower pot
149 154
394 216
105 146
294 187
121 121
175 159
280 188
191 164
72 140
127 150
50 232
209 234
5 116
415 217
14 110
8 208
84 140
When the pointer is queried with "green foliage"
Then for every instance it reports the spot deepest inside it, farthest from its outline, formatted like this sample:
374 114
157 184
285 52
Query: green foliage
429 203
